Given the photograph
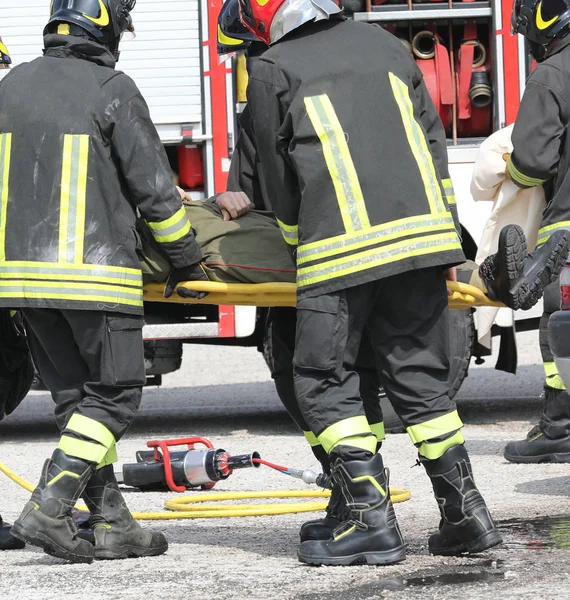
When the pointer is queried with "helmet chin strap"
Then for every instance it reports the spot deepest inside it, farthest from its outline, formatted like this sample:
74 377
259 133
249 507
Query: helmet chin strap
294 13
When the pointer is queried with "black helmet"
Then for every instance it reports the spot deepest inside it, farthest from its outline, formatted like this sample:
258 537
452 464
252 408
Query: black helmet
5 59
541 22
104 20
233 36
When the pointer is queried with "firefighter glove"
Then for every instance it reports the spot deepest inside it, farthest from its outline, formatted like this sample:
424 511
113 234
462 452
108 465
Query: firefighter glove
193 272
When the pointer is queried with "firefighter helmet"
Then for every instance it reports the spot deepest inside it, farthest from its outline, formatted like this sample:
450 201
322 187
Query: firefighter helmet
233 35
541 22
5 59
104 20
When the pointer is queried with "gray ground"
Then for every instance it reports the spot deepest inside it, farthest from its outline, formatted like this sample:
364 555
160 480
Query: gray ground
225 394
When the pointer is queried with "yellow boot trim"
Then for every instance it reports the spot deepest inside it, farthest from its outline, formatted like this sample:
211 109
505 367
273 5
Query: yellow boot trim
378 430
90 451
91 429
372 481
438 449
344 533
110 458
364 442
435 428
553 379
311 438
353 426
62 475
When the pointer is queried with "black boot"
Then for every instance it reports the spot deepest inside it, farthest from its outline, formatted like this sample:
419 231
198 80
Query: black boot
502 271
7 540
371 535
46 520
336 512
117 534
549 441
466 525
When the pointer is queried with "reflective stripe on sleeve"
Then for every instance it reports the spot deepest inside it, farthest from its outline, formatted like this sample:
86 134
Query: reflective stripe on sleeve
448 190
290 233
524 180
171 229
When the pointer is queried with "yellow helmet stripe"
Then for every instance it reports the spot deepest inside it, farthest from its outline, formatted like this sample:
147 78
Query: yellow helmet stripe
226 40
540 22
103 19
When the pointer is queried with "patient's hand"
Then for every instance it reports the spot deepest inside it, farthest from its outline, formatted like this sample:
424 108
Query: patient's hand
233 204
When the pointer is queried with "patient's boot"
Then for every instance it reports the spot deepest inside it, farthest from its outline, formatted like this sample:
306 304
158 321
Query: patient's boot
117 534
7 540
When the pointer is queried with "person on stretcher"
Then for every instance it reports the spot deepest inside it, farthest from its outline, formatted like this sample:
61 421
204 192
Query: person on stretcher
243 245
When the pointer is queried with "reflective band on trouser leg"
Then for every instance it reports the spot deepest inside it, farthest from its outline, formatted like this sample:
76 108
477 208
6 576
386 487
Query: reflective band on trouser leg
545 232
290 233
110 458
354 431
311 438
73 198
553 379
5 155
434 450
171 229
378 430
339 162
89 451
418 144
92 429
422 433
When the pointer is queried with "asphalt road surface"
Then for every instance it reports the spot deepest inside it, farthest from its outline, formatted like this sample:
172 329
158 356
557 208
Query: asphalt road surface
225 394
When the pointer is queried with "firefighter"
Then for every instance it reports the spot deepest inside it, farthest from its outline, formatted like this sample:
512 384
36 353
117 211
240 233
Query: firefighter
78 160
345 154
541 156
7 540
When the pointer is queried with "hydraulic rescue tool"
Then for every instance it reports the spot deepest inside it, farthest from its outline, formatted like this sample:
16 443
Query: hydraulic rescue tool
161 469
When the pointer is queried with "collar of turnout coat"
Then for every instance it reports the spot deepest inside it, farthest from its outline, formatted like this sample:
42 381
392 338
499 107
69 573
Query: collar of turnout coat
68 46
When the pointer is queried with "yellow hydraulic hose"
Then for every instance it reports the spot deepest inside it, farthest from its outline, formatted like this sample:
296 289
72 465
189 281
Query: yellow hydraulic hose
178 508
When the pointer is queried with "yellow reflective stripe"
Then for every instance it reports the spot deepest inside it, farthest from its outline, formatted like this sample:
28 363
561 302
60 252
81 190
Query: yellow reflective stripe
65 197
5 157
373 236
76 271
91 429
343 429
521 178
344 533
438 449
174 237
364 442
110 458
171 229
369 259
90 451
372 481
435 427
311 438
448 189
81 195
226 40
553 379
339 162
61 476
72 297
418 144
545 232
290 233
378 430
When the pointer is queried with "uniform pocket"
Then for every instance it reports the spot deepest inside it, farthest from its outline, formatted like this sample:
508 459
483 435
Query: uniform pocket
318 333
126 352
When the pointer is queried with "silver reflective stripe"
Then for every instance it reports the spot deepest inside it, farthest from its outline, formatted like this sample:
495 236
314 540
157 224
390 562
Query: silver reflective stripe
12 287
97 272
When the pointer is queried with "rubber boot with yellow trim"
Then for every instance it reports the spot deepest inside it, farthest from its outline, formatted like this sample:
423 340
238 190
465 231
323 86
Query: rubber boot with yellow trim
46 520
549 441
371 535
117 534
466 525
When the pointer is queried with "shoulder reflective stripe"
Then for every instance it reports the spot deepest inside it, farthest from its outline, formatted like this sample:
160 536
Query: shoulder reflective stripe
448 190
92 429
5 156
438 449
418 144
435 427
89 451
521 178
171 229
339 162
311 438
290 233
110 458
369 259
545 232
378 430
73 198
343 429
373 235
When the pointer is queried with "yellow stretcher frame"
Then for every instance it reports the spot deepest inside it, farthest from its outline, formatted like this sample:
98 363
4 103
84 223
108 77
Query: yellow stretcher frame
284 294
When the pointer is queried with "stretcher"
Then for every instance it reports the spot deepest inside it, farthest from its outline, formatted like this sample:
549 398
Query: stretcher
284 294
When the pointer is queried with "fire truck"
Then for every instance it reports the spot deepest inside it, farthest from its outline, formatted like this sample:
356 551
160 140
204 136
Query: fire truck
474 69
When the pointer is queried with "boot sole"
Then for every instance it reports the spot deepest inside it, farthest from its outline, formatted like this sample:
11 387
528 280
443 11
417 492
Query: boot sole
558 457
515 253
486 541
124 552
388 557
47 545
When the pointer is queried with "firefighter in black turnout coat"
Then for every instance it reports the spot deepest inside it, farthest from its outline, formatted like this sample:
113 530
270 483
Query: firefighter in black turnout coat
344 141
79 156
